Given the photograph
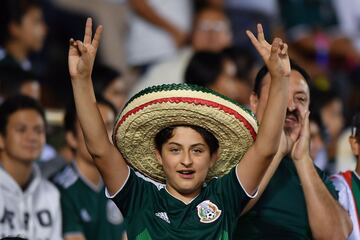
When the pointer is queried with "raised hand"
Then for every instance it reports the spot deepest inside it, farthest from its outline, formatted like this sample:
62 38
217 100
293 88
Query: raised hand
301 147
82 54
275 55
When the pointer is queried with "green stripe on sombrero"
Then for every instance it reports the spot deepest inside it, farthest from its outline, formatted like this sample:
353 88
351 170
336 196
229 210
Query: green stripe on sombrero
184 86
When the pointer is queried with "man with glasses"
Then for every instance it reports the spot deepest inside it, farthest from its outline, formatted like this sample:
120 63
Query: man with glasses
211 32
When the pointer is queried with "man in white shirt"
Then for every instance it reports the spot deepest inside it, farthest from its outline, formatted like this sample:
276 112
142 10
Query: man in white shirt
29 205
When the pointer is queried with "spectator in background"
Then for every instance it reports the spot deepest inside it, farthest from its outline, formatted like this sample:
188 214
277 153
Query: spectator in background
211 32
329 108
221 73
14 81
318 43
348 182
113 16
22 30
87 213
317 143
296 200
110 84
29 205
245 64
157 30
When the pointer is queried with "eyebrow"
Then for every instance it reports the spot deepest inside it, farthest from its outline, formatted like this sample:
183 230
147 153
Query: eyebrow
193 145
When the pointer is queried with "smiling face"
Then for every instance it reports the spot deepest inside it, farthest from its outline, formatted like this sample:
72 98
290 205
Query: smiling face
24 138
298 100
186 159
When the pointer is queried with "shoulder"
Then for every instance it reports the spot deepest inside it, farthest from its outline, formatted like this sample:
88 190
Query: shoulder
46 187
138 183
339 182
149 181
67 177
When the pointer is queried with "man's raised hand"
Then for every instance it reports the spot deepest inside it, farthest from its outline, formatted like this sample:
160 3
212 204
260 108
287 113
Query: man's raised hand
275 56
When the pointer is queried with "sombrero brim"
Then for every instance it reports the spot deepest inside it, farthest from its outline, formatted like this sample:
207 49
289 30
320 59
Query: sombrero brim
158 107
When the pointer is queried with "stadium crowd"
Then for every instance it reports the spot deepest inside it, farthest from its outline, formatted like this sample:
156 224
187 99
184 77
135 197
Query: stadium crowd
58 176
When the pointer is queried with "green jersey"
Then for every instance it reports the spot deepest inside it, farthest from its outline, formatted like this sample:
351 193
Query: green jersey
281 212
85 208
151 212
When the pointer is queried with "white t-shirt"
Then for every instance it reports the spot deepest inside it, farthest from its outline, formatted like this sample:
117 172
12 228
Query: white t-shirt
32 214
147 42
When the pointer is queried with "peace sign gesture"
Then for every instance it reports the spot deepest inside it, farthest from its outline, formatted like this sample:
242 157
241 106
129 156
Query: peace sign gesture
82 54
275 56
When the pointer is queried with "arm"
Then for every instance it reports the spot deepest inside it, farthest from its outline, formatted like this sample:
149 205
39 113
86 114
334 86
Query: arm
286 143
264 182
328 220
143 9
107 158
255 162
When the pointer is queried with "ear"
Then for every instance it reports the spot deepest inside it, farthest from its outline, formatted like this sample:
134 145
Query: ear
158 157
71 139
253 102
14 29
214 157
355 145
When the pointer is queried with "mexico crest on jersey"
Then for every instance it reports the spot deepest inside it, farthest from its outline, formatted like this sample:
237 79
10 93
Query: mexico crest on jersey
208 212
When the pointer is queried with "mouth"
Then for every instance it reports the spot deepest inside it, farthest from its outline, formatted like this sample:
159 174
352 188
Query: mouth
31 148
186 174
291 118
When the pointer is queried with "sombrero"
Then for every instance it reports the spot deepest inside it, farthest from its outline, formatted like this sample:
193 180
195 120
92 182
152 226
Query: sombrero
158 107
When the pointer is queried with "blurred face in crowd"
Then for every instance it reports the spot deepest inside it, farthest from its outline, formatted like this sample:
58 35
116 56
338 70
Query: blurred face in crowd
24 138
211 31
31 89
298 100
229 85
316 142
31 31
76 141
116 93
186 160
332 117
354 141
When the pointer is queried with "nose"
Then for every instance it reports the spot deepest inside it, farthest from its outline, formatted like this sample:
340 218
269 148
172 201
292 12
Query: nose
291 105
32 136
187 160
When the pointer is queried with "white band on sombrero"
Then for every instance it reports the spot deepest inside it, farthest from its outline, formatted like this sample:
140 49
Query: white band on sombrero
158 107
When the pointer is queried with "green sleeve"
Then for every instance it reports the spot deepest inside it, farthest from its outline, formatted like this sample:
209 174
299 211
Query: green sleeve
134 194
70 215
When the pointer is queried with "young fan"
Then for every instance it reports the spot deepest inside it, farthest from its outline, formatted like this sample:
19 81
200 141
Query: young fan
182 136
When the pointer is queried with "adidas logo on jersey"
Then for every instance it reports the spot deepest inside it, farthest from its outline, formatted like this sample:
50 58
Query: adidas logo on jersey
163 216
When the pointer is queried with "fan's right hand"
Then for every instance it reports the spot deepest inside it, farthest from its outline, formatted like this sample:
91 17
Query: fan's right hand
82 54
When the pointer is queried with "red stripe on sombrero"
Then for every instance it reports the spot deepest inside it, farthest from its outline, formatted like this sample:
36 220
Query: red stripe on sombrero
196 101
